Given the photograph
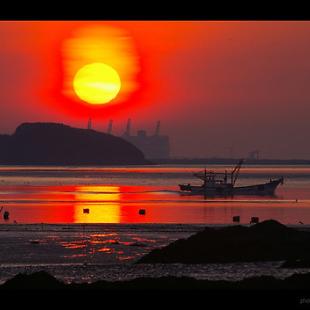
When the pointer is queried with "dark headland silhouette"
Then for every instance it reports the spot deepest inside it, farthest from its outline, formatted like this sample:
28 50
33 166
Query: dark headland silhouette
59 144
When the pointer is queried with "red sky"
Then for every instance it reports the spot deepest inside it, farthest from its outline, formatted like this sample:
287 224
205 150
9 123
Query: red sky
212 84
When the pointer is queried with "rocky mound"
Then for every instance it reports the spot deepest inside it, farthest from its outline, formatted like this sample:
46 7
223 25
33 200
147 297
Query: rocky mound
265 241
43 281
260 291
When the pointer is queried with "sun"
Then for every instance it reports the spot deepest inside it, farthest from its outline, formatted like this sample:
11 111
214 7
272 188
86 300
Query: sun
97 83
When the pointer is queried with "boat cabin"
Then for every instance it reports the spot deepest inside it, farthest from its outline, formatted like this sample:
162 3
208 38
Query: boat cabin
213 179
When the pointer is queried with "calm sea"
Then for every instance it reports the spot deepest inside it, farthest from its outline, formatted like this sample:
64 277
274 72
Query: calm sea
116 194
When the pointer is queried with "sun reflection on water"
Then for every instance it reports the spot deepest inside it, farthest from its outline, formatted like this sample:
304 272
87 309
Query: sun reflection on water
99 212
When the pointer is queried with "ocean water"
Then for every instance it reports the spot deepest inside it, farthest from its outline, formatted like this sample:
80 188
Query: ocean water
49 230
116 194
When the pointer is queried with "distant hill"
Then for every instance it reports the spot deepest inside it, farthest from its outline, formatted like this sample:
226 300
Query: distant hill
59 144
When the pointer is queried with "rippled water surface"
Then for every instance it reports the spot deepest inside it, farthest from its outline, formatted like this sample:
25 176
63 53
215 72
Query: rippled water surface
116 194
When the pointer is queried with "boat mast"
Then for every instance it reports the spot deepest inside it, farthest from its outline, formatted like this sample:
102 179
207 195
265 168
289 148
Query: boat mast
235 172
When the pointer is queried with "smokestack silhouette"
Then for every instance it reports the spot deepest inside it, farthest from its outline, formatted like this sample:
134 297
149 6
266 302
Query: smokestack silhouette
109 131
153 146
157 128
254 154
89 124
127 132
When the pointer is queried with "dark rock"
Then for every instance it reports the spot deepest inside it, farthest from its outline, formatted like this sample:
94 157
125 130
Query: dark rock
58 144
42 280
296 263
265 241
34 241
39 280
258 291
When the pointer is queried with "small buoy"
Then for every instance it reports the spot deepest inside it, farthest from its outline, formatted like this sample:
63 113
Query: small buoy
254 220
6 215
85 210
142 211
236 219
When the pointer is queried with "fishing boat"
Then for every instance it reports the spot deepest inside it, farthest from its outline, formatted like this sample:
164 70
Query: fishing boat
223 184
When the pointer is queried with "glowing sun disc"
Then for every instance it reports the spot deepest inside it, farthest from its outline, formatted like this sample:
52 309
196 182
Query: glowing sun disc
96 83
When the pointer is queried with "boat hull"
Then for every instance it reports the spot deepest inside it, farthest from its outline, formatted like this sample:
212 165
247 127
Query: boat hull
265 189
